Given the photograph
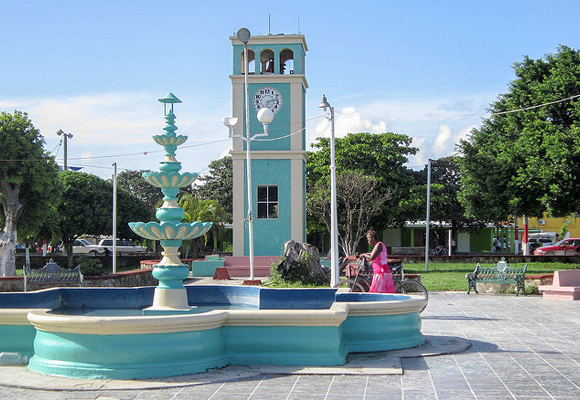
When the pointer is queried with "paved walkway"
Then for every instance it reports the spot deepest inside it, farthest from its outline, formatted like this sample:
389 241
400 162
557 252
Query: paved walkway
505 347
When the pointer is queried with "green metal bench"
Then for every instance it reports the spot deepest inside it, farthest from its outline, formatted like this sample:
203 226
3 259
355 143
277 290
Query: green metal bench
499 273
52 273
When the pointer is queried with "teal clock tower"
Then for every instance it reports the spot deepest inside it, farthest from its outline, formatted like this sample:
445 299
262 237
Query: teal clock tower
276 79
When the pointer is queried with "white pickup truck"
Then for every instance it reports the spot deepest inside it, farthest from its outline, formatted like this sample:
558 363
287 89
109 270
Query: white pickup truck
124 246
83 246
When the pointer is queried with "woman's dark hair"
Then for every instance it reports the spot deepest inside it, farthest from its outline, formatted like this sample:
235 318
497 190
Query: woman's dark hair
373 234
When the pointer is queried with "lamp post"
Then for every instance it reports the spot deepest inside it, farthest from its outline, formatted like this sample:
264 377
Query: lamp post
65 136
265 116
333 212
114 217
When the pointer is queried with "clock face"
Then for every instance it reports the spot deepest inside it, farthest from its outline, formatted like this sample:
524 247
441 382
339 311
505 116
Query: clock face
268 97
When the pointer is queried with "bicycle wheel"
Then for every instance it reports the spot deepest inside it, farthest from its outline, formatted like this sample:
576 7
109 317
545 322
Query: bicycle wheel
412 287
349 284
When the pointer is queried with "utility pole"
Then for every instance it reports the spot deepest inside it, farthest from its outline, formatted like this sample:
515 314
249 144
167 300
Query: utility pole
65 136
428 216
114 217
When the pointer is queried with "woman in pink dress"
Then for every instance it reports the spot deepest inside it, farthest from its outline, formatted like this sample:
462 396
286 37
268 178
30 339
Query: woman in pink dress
382 278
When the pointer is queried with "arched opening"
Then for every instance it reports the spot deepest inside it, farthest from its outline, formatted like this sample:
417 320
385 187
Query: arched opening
252 62
267 61
286 62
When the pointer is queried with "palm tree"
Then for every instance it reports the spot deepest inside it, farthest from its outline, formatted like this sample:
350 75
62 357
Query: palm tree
202 211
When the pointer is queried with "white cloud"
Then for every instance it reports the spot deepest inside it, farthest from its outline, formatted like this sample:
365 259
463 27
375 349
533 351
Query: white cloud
443 140
118 127
348 120
436 125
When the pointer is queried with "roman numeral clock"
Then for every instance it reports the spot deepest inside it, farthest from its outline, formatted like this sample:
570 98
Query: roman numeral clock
277 81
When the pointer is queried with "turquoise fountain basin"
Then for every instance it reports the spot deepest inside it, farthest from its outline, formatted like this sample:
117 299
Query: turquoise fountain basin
98 332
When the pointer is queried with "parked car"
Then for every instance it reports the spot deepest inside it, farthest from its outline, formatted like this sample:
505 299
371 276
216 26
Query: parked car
83 246
563 247
539 242
124 246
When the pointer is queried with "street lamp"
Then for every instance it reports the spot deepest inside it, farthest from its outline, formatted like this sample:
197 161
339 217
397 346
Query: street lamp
265 116
333 213
66 136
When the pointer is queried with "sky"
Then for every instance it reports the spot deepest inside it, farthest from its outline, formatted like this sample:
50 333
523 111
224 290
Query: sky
427 69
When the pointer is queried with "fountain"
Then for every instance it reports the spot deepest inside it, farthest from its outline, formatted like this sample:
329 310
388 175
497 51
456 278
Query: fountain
169 330
170 295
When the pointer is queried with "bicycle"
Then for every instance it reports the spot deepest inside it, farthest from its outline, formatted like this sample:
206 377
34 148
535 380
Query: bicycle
439 251
358 278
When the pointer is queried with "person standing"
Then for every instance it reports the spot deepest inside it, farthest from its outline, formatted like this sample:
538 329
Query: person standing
382 278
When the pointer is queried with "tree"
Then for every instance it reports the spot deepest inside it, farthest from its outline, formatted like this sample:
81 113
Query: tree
218 184
524 159
359 200
201 210
134 183
445 187
87 209
379 159
28 183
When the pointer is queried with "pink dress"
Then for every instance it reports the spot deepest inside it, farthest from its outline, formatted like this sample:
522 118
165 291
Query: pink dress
382 278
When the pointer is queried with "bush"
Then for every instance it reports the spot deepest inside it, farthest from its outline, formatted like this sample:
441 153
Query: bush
298 274
90 265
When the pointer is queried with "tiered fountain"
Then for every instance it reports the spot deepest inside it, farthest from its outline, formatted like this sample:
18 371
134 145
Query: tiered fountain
170 295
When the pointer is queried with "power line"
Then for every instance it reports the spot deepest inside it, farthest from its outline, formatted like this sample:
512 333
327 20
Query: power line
538 106
298 131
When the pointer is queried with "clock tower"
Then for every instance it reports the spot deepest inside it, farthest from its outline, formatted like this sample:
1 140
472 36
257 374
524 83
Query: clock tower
276 79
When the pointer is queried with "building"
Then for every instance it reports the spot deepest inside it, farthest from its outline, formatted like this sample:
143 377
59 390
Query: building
277 80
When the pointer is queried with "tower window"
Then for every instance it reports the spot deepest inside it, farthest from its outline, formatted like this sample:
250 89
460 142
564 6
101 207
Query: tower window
286 62
268 202
267 61
251 62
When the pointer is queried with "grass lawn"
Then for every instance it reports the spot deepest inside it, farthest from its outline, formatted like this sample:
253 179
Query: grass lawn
451 276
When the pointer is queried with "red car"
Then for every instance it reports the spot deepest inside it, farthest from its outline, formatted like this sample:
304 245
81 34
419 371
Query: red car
563 247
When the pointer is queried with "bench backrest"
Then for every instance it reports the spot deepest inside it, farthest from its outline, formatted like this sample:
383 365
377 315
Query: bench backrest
500 269
567 278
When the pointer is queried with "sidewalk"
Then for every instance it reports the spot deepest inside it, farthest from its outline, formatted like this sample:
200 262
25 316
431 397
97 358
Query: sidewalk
502 347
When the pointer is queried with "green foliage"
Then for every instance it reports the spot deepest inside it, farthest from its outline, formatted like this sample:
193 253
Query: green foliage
218 184
87 208
29 188
525 162
200 210
227 247
445 188
567 221
133 183
90 265
298 275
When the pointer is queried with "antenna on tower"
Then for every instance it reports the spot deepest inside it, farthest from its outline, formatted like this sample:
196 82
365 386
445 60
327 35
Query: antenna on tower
300 33
269 33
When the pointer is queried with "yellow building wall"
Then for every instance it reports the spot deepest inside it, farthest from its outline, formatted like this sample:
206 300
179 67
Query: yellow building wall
554 225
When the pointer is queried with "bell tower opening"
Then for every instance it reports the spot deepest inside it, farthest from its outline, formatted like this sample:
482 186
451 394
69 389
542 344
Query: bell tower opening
267 61
286 62
251 62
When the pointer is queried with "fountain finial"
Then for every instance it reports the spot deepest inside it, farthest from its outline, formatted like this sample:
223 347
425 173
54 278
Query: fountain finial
169 98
